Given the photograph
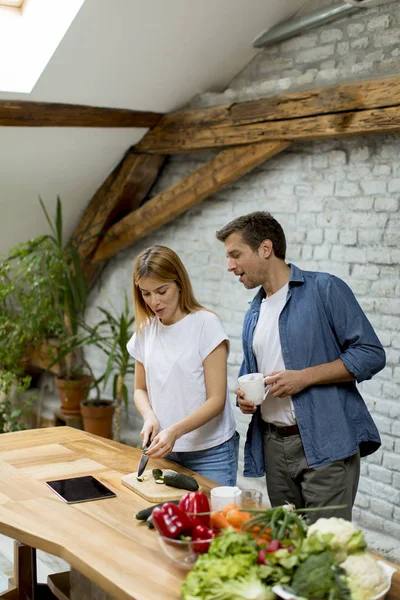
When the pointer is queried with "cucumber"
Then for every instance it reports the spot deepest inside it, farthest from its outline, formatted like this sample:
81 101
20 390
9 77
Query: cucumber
149 522
144 514
157 474
183 482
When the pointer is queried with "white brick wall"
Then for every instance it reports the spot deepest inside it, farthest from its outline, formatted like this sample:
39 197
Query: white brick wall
338 202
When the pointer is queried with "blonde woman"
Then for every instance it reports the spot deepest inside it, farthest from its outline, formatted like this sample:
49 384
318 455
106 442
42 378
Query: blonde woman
181 350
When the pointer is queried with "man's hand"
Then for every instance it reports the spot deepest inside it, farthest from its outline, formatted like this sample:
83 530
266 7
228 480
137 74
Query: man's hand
246 406
286 383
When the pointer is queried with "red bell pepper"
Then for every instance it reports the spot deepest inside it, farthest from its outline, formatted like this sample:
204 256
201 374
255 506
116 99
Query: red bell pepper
195 503
195 520
171 521
201 536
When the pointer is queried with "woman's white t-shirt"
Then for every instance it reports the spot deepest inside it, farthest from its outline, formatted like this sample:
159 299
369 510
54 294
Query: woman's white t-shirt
173 358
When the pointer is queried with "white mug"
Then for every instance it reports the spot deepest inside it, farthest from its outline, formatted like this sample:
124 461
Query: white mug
253 387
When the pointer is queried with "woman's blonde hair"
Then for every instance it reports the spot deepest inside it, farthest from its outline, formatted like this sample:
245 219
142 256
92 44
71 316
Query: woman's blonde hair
164 264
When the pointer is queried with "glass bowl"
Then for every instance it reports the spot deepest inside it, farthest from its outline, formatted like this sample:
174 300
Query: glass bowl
182 552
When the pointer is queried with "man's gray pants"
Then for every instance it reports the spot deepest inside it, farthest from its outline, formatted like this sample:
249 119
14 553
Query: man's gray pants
289 479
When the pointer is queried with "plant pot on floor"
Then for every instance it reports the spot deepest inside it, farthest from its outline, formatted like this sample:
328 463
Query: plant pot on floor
97 417
73 392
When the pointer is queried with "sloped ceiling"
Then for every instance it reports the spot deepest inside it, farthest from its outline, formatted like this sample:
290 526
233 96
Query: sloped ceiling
146 55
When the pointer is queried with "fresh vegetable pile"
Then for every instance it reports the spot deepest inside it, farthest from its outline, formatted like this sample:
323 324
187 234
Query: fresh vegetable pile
274 550
257 554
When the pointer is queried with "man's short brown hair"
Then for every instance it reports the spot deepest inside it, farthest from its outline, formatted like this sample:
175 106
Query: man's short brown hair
254 228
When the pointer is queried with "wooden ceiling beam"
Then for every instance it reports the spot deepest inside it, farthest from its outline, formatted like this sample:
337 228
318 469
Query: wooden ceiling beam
122 192
223 169
369 106
343 124
46 114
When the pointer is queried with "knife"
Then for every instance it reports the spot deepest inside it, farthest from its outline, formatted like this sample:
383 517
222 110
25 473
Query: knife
143 461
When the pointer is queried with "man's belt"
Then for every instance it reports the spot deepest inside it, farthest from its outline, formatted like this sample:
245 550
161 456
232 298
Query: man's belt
285 431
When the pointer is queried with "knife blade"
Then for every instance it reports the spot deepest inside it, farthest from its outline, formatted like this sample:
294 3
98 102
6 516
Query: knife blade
143 462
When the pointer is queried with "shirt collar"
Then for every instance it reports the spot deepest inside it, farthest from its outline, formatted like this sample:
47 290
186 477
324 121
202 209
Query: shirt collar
296 277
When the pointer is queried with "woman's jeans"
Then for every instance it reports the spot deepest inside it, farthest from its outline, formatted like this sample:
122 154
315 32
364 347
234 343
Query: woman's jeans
219 463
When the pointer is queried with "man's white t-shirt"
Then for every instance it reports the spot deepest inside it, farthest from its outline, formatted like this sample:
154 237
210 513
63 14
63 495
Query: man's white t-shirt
173 357
268 352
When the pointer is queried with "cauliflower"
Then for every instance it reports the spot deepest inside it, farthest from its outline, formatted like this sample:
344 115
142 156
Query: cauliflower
342 530
339 535
364 576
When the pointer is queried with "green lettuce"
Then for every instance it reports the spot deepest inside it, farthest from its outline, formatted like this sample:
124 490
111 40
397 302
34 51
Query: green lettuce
233 543
215 583
228 571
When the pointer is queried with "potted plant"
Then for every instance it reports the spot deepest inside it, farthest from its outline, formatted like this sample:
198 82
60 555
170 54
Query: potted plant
70 294
43 296
111 336
28 314
27 319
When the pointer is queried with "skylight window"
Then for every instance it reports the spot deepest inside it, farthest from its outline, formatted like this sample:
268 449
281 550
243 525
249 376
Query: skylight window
13 3
28 38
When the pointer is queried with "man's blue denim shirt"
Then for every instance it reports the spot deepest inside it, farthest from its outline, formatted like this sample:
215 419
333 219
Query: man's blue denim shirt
320 322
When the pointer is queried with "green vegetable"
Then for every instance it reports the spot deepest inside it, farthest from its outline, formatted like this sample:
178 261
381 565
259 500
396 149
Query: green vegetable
210 574
178 480
319 577
149 521
157 474
232 544
284 521
248 587
143 515
228 571
356 543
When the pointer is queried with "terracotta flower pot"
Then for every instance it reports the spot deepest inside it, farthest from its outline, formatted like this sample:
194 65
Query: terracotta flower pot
73 392
97 417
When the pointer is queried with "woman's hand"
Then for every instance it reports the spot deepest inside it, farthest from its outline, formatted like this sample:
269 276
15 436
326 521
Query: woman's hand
150 429
246 406
163 443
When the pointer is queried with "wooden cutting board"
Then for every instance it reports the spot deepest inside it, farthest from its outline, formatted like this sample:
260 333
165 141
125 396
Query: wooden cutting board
150 490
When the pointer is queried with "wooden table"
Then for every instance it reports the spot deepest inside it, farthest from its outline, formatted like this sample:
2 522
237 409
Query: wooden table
101 539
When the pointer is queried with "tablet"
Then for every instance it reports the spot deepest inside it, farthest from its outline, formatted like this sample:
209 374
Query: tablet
80 489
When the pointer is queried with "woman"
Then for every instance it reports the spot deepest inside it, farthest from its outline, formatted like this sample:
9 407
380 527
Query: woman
181 352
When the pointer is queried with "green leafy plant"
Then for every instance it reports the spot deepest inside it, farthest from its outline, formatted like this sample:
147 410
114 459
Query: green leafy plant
28 317
70 295
43 294
111 335
14 412
28 313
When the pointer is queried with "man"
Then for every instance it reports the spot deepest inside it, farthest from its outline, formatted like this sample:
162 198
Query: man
306 331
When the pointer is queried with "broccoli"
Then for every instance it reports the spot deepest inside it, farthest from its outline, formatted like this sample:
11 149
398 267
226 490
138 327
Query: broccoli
318 577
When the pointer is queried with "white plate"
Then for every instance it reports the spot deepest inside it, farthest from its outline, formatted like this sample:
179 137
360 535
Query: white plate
279 591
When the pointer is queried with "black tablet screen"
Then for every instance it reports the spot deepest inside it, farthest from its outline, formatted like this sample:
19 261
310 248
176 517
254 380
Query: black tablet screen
80 489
